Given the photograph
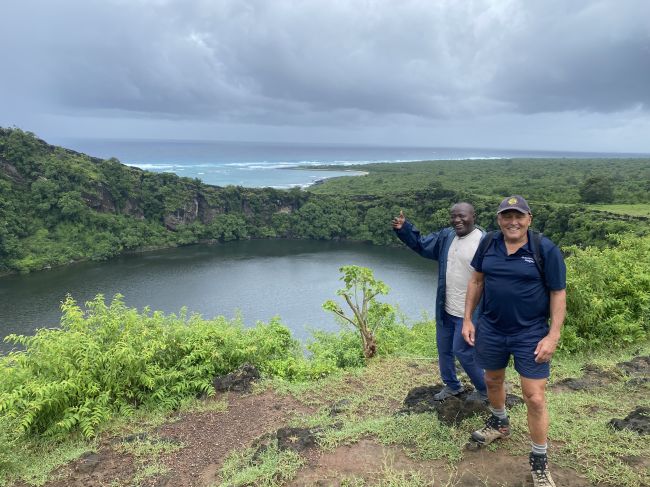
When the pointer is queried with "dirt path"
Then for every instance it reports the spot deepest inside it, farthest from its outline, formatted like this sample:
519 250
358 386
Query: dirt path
190 449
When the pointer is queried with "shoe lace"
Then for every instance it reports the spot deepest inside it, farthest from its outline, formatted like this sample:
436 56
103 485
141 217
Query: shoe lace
493 423
538 466
541 477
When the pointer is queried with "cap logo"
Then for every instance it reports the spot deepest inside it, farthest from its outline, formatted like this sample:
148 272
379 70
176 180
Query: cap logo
512 201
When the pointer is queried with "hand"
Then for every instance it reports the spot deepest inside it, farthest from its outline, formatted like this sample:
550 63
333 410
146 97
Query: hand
398 221
545 349
468 331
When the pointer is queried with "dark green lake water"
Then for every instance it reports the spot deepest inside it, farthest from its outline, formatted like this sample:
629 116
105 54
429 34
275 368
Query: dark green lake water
260 279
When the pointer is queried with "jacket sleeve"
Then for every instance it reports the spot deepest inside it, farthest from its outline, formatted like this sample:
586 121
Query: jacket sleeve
428 246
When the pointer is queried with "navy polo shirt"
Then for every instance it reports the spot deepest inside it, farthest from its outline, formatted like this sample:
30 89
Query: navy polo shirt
514 296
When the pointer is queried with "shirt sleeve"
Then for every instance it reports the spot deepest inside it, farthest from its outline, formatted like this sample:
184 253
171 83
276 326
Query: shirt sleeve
554 268
428 246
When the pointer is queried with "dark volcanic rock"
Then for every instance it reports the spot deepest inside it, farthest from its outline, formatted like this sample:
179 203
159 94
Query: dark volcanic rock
638 420
88 462
450 411
296 439
340 407
593 378
239 380
637 367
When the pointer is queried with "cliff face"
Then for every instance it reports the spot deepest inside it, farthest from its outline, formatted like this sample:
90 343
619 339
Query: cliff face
107 186
58 205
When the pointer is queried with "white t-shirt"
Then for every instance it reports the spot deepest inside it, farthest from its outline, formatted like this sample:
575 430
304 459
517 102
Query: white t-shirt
459 270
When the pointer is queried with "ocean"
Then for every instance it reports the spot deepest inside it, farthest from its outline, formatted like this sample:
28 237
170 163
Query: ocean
271 164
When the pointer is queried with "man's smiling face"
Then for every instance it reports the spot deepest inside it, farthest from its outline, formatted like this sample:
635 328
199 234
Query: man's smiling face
461 218
514 224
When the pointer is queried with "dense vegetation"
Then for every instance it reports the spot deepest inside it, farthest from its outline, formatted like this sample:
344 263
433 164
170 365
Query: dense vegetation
58 206
108 361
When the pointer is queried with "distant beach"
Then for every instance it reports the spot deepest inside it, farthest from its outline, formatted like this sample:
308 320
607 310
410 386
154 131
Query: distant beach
265 164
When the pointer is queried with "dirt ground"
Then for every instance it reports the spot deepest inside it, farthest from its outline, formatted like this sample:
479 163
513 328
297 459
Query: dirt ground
207 437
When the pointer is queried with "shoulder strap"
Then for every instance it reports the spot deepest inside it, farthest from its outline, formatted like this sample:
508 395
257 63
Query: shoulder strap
536 243
485 243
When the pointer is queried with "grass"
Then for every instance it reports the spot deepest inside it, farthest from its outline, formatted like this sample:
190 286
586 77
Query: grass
367 400
33 461
640 209
580 436
270 467
147 453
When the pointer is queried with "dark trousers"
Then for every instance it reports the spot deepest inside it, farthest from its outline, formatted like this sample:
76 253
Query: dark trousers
452 344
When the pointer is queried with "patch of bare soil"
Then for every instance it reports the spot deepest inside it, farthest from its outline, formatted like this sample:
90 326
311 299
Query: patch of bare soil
365 459
207 437
369 461
500 468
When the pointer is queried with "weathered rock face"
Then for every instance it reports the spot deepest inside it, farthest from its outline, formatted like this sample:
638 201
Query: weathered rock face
182 216
11 172
132 208
103 201
638 369
297 439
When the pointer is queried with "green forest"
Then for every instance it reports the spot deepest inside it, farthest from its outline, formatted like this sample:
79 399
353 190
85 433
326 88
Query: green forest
58 206
108 364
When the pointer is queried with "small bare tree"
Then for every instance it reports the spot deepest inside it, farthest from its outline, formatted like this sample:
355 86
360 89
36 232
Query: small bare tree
359 293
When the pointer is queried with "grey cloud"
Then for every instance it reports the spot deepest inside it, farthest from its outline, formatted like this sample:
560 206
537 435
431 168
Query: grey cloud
320 62
591 56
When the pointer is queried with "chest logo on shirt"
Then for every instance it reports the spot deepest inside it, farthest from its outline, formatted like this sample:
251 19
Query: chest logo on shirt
528 260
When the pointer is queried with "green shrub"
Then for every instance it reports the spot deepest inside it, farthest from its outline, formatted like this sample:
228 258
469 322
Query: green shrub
112 359
608 295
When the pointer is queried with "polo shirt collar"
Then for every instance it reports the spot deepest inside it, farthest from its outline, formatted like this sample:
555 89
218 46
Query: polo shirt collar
527 247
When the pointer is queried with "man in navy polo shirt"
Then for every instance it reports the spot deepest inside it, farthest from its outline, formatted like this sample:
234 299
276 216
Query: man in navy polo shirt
520 298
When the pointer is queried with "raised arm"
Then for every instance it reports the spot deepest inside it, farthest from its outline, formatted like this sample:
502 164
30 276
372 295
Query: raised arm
428 246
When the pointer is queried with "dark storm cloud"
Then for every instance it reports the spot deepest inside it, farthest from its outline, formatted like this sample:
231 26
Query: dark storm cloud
319 62
592 56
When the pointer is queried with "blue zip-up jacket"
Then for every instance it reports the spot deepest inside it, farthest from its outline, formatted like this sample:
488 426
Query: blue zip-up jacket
434 246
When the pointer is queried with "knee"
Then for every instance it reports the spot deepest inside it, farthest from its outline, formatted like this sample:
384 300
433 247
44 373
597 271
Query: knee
494 383
462 350
535 401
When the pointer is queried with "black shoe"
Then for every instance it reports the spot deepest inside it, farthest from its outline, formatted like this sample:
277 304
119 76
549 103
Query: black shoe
539 471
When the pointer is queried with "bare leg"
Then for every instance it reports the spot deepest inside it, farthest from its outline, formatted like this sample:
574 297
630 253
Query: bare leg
534 397
496 389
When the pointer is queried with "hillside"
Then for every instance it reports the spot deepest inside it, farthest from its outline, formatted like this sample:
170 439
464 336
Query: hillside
58 206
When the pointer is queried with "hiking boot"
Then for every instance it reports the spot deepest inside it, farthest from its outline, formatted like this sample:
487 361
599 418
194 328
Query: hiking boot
494 429
447 392
477 396
539 471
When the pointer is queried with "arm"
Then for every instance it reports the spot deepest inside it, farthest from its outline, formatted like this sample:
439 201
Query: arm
428 246
546 347
474 293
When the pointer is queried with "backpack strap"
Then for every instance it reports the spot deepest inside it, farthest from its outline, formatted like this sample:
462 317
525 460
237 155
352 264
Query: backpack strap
535 243
485 243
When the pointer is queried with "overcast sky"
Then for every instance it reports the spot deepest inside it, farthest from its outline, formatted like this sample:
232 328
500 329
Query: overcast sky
528 74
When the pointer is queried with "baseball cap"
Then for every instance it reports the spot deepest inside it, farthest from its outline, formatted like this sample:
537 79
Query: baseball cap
514 202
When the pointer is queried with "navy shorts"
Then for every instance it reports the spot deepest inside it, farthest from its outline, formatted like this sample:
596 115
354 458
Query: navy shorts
493 350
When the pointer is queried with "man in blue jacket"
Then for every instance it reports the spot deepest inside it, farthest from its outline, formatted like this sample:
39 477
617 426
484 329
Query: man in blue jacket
453 248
